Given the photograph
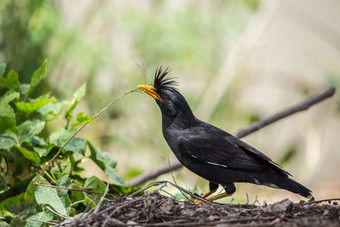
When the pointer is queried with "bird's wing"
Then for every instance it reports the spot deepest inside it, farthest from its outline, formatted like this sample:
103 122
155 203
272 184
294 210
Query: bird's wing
219 148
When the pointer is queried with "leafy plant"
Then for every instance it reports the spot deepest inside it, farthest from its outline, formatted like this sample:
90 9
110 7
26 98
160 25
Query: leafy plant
26 146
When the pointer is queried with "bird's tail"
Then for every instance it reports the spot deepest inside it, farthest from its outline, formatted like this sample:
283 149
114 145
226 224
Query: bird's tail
293 186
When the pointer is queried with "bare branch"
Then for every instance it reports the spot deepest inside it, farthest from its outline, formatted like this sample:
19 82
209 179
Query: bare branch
301 106
103 197
304 105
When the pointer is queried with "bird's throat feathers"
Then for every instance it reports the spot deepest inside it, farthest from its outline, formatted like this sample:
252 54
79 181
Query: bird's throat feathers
178 118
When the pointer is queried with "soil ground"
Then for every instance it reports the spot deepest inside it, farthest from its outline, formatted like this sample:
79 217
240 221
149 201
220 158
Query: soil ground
154 209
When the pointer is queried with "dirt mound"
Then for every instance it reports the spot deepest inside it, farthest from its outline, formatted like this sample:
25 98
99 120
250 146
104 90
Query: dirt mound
154 209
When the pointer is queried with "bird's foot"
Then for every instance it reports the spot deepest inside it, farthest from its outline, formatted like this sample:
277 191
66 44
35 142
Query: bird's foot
197 201
213 198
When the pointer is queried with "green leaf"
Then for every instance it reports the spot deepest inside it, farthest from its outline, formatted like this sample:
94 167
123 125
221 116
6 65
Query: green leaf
3 184
55 172
65 167
28 129
29 194
8 140
51 108
30 107
37 77
3 223
30 155
11 202
106 162
41 151
81 119
80 92
40 217
77 96
2 69
94 183
9 97
24 88
56 198
76 145
11 81
7 117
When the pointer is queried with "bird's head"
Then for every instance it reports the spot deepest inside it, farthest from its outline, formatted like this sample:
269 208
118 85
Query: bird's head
164 91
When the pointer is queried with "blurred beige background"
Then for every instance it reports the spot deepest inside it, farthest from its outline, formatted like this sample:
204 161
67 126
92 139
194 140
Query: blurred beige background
236 62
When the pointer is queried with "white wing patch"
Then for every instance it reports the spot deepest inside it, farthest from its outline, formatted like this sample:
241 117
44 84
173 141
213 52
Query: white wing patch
216 164
211 163
271 185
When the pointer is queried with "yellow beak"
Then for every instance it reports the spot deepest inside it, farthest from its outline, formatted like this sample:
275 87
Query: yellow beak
150 90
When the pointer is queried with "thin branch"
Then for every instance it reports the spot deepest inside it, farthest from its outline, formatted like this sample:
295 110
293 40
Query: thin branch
102 198
83 126
301 106
56 213
321 201
142 68
304 105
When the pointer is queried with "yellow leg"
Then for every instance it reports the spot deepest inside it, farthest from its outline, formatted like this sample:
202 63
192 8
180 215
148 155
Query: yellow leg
213 198
220 196
197 201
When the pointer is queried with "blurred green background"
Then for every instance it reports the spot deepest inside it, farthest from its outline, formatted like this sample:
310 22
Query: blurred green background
236 62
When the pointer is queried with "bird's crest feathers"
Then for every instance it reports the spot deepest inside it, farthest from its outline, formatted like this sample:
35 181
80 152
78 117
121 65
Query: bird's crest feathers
161 81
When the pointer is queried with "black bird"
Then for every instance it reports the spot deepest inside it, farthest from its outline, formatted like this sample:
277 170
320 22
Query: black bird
210 152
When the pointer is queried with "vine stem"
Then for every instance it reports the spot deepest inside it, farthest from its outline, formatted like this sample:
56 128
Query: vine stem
81 128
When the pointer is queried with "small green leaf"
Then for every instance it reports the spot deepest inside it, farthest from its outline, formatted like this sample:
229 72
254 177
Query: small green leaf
11 202
2 69
106 162
81 119
7 117
28 129
11 81
77 96
56 198
76 145
30 107
37 77
29 194
24 88
41 151
55 173
94 183
39 218
80 92
65 167
3 184
51 108
8 140
9 97
30 155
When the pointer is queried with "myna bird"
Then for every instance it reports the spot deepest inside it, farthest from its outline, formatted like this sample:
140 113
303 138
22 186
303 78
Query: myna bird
210 152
